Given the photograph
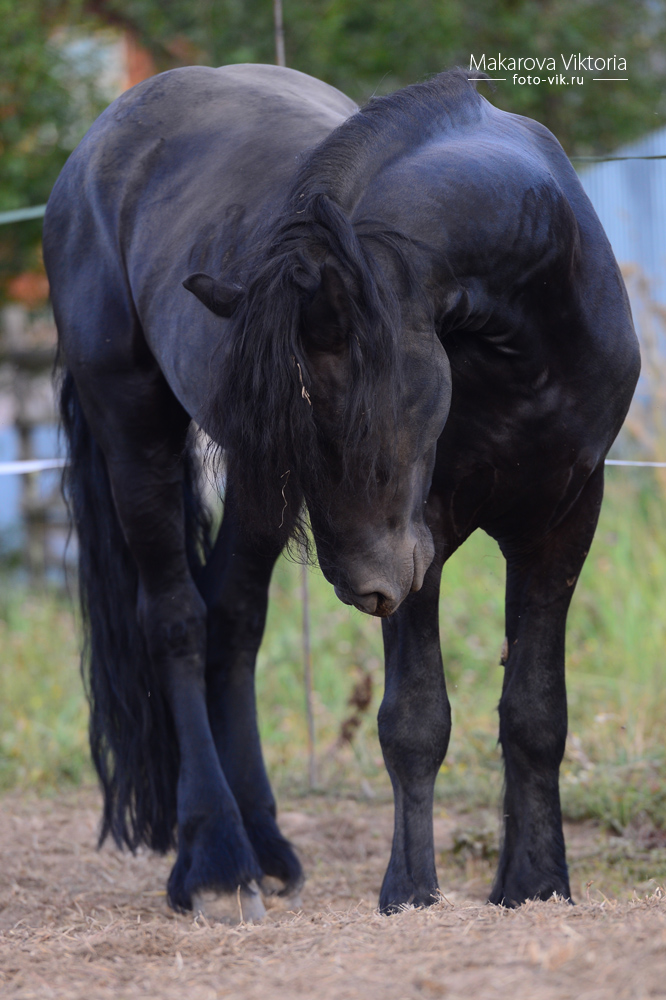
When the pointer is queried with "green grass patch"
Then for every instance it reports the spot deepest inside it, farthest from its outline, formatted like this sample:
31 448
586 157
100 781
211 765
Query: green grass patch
43 713
614 766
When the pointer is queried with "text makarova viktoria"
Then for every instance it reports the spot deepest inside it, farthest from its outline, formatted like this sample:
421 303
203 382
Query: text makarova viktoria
575 62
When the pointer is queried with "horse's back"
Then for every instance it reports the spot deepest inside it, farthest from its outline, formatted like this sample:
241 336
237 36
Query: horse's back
147 198
193 138
204 111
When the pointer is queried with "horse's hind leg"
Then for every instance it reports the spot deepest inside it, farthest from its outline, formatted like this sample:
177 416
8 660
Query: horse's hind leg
533 709
141 430
234 585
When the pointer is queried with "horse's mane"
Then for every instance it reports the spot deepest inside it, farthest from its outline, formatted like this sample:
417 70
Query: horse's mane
259 416
403 119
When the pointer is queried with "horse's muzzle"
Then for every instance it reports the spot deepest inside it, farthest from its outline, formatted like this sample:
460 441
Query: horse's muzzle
378 597
374 603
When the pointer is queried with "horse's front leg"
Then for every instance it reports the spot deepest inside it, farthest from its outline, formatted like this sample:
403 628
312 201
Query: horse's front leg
533 708
414 727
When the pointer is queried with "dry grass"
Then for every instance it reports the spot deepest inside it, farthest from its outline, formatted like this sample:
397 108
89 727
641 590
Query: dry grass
75 923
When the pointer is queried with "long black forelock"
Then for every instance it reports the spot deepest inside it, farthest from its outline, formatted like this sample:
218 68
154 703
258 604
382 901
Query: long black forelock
261 414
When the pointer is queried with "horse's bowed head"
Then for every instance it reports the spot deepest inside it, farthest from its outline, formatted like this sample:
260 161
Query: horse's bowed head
405 323
367 495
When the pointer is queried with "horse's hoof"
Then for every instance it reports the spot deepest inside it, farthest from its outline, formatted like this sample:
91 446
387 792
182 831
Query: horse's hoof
245 906
278 896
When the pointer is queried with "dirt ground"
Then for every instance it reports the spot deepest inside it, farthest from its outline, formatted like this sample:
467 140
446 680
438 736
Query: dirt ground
81 924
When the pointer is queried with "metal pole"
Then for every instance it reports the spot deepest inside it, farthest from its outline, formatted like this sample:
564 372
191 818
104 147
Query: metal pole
279 33
307 675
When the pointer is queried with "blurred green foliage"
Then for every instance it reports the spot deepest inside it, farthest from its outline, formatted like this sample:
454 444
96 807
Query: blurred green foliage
48 98
50 93
43 715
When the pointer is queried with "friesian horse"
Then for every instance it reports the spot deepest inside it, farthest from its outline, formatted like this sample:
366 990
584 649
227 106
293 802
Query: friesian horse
405 320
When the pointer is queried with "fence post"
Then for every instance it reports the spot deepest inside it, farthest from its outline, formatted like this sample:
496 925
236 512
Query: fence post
32 405
279 33
307 673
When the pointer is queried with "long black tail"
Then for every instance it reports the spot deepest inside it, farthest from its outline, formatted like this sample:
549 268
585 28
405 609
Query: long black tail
132 736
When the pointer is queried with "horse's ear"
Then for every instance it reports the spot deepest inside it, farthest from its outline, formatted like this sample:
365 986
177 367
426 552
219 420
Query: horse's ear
327 319
220 298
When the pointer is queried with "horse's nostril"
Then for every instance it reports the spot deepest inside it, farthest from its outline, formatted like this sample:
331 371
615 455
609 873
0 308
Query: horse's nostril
367 602
371 602
375 604
385 606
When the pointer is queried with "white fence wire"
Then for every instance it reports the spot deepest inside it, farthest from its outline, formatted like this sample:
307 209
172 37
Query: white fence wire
41 464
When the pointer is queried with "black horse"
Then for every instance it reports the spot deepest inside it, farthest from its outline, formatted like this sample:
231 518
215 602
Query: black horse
414 326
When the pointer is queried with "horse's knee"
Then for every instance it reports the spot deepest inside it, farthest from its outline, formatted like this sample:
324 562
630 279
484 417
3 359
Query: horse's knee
414 739
241 618
533 730
236 622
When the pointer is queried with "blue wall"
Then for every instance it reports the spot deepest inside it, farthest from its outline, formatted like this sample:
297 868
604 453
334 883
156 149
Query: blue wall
630 199
46 446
